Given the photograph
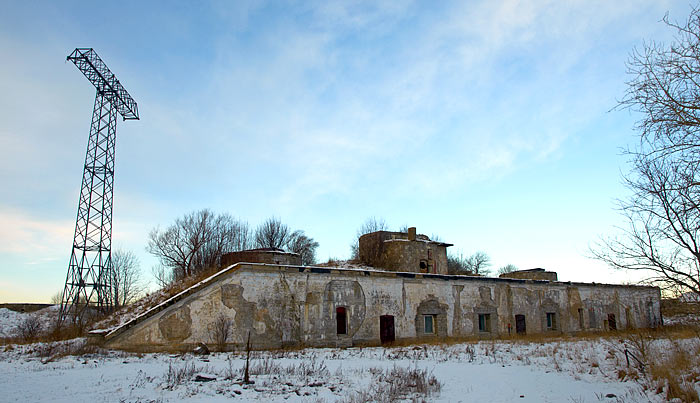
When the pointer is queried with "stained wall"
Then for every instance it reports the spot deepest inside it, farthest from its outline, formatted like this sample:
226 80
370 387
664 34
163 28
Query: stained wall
298 306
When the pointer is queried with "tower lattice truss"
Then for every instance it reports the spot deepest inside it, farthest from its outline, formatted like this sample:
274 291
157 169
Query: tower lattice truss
90 278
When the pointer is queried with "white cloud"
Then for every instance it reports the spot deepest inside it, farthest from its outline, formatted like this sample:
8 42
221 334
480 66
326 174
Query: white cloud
21 233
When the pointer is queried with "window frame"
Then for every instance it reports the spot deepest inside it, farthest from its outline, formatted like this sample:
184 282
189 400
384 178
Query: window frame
484 322
431 319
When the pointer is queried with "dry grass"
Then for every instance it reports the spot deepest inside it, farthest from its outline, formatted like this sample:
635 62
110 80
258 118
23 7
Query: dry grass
30 331
397 384
178 375
333 262
675 370
53 350
151 300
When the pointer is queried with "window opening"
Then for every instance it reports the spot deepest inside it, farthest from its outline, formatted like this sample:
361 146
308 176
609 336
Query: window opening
484 322
580 318
612 323
551 321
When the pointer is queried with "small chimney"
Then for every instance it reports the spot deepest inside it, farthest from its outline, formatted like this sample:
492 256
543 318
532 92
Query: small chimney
412 234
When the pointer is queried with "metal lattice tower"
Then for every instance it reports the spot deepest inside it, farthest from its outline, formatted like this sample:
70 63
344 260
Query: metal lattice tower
89 278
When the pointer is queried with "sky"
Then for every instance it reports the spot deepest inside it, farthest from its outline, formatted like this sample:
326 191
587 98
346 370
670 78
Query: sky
488 124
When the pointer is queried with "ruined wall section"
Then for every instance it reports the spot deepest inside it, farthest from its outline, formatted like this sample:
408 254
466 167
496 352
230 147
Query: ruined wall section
414 256
297 306
397 251
269 256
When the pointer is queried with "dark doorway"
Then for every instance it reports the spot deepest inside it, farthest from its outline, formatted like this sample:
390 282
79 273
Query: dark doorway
341 318
386 328
520 324
612 324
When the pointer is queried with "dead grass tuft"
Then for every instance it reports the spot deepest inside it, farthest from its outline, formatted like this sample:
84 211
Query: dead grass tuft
151 300
179 375
333 262
398 384
675 372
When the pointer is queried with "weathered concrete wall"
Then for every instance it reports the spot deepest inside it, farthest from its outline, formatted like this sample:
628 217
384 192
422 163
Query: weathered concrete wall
269 256
396 252
415 256
283 306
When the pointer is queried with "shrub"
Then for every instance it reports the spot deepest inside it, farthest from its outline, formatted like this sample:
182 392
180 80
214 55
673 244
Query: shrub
220 331
29 329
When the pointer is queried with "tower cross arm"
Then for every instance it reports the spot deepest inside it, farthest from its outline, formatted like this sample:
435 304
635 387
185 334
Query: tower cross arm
97 72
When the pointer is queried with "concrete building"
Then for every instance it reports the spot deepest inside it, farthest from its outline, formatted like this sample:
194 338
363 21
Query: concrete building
291 305
261 255
400 251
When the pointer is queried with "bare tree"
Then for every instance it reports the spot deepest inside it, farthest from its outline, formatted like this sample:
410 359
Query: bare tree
225 234
371 224
661 236
304 246
126 277
478 263
164 276
456 264
57 298
29 328
509 268
272 234
665 88
663 225
196 242
177 245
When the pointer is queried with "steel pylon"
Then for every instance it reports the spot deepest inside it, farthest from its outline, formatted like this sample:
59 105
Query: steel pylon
90 272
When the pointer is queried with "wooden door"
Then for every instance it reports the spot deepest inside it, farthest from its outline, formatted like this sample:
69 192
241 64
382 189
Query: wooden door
520 324
341 320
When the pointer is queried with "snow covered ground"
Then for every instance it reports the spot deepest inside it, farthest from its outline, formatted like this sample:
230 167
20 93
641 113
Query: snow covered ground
9 320
558 371
565 370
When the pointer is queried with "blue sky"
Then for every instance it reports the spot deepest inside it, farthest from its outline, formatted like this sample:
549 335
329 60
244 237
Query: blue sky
487 123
